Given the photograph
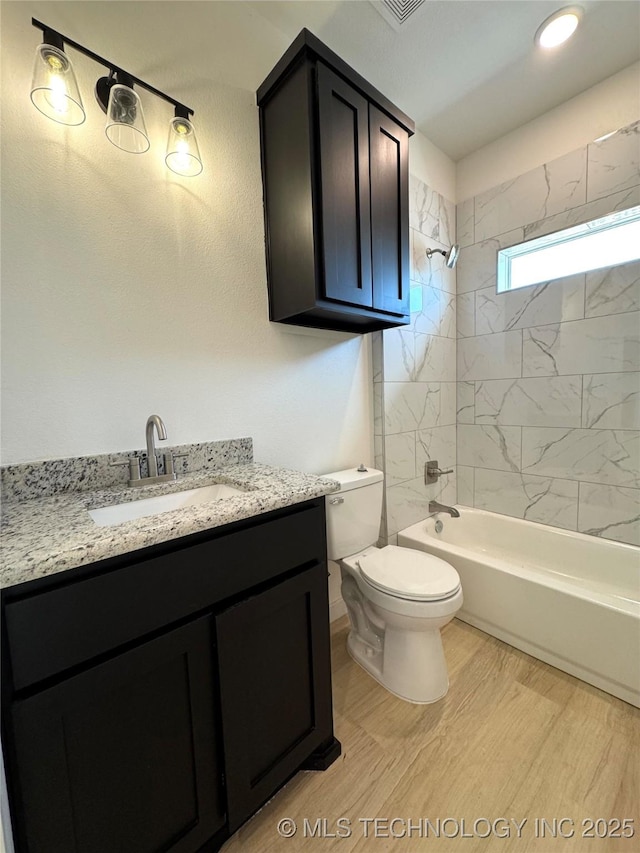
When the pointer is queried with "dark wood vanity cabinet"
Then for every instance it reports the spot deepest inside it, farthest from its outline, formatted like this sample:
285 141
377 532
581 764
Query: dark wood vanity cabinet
155 701
273 721
125 755
335 156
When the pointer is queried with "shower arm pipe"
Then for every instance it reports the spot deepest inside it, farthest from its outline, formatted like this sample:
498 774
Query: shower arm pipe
184 111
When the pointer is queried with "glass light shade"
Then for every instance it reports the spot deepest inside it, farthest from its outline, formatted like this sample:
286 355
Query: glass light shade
183 154
54 90
125 126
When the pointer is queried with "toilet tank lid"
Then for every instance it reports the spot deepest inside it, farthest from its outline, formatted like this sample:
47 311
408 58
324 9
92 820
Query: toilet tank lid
351 478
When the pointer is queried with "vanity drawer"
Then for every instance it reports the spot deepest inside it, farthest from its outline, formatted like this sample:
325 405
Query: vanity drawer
52 631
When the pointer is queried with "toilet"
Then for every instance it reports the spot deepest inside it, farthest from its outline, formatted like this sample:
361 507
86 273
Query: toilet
398 599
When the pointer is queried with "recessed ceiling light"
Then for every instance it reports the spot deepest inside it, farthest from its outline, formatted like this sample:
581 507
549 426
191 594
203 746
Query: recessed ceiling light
560 26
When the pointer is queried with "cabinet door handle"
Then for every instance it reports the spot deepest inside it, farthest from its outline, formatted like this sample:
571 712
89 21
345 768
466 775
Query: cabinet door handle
336 501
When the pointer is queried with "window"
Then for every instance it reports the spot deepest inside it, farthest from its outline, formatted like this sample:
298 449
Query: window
604 242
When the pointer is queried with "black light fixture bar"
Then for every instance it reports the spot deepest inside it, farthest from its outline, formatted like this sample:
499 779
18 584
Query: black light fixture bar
58 40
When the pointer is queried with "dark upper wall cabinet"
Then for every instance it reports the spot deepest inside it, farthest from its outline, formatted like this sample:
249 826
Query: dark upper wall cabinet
335 166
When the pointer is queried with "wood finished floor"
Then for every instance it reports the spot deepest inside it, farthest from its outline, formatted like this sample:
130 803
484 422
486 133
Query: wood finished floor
514 738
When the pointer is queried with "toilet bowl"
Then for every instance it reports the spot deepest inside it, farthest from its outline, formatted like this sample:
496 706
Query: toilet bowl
397 599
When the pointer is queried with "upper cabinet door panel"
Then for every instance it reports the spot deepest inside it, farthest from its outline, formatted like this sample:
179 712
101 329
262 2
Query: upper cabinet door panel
389 165
344 170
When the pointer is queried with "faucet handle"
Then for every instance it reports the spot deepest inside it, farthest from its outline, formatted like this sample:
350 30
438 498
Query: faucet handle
169 458
134 467
168 463
432 472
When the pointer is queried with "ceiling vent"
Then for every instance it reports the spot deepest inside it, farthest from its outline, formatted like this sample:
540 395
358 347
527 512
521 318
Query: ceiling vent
397 12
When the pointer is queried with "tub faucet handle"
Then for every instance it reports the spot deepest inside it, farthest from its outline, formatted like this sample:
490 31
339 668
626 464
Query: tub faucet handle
432 472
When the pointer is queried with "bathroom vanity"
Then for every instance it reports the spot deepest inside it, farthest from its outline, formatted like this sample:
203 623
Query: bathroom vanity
155 699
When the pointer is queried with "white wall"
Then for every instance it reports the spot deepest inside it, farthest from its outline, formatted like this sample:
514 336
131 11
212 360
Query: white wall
128 290
610 105
432 166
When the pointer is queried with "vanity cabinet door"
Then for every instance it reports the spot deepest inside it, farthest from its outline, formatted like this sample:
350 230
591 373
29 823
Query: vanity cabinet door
275 687
124 756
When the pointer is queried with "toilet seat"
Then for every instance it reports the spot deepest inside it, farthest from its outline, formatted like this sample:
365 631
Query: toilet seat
409 574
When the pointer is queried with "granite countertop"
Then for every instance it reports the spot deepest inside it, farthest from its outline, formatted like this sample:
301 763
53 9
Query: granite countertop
46 535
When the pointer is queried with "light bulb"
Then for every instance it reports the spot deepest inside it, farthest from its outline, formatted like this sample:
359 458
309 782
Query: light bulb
57 94
183 155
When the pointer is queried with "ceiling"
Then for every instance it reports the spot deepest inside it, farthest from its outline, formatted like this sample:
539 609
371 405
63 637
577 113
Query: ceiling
467 71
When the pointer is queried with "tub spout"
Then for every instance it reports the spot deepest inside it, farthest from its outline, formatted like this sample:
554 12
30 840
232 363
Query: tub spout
434 506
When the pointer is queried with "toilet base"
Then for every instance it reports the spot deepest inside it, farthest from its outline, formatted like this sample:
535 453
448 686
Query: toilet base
426 687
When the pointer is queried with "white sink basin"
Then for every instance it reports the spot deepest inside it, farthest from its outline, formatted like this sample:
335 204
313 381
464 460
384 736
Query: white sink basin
105 516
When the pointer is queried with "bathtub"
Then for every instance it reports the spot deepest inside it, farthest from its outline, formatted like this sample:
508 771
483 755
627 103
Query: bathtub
566 598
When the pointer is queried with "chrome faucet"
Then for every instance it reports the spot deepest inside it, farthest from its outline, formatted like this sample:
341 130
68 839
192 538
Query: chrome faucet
434 506
152 461
135 479
153 422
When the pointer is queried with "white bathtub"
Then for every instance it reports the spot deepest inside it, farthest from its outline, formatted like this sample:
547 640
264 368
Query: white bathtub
566 598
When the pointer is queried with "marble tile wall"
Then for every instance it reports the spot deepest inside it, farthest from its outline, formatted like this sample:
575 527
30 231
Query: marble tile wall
415 374
548 391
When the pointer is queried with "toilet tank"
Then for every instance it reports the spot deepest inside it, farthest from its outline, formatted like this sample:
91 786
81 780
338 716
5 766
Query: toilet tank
353 513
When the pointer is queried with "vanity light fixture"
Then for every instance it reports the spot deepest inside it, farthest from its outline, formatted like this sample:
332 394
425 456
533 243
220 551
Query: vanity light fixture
560 26
125 126
54 91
